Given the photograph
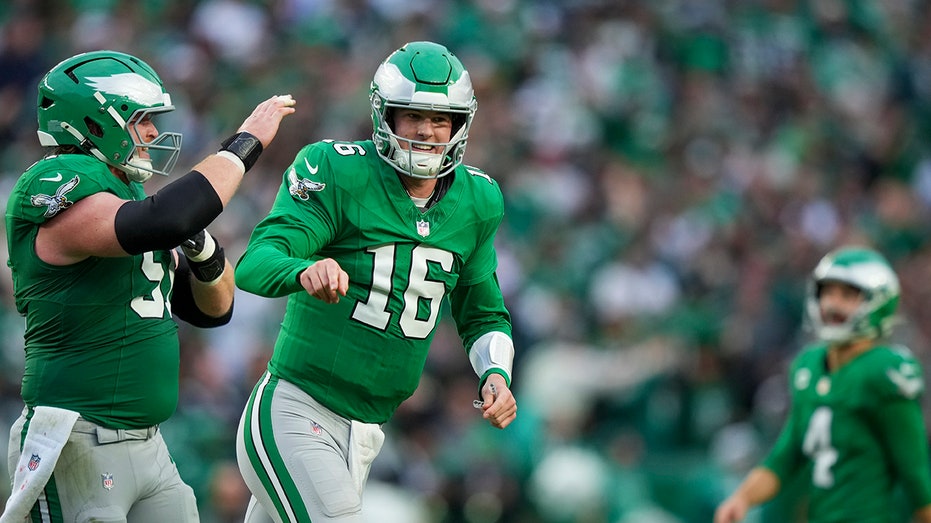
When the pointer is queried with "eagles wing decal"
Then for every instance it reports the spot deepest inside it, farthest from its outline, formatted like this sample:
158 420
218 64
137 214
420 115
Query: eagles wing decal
300 188
59 201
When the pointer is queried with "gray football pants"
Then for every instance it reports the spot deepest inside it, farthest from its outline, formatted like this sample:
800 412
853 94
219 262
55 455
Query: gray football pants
298 459
110 476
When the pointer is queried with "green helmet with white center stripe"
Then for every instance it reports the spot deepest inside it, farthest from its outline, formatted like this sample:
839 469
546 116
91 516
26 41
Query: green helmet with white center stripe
870 273
422 76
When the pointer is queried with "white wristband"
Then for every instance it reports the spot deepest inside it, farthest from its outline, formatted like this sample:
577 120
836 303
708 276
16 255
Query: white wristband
493 350
210 246
235 159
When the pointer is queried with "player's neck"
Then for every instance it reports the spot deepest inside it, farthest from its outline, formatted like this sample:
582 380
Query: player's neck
842 354
418 187
119 174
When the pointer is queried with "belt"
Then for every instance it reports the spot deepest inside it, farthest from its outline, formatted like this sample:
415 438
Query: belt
105 435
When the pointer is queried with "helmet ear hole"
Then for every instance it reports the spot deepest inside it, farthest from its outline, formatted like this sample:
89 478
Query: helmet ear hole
390 117
46 102
93 128
458 121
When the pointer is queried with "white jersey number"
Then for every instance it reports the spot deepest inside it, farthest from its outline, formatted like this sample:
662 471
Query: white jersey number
817 446
374 311
155 305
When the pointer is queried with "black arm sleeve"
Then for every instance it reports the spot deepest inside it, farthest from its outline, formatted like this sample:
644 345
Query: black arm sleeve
183 305
170 216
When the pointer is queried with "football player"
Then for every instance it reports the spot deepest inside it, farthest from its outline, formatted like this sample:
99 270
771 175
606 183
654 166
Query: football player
98 279
855 426
368 239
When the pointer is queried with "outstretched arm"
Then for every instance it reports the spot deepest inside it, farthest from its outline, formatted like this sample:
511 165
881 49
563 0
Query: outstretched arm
263 125
103 224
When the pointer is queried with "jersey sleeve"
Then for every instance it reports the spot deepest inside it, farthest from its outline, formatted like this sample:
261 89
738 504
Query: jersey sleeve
785 458
52 186
899 422
490 204
479 309
302 220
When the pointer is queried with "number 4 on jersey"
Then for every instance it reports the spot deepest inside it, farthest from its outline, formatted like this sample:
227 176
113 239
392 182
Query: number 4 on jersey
817 445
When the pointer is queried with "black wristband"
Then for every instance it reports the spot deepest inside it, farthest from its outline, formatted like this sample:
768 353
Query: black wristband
210 269
244 145
185 308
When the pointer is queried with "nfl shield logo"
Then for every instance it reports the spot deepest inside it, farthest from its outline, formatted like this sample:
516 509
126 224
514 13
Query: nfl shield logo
423 228
34 462
107 480
315 428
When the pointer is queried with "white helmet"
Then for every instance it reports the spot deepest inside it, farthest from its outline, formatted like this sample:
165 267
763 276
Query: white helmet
863 269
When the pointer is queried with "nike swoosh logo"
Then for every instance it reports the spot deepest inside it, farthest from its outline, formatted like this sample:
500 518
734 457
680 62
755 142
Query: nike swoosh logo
311 168
56 178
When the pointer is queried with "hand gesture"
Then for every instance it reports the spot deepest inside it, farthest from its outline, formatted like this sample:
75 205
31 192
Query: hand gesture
199 247
498 404
265 118
325 280
205 257
733 509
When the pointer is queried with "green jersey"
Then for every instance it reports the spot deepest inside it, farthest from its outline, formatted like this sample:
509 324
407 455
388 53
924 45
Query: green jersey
857 433
363 356
100 339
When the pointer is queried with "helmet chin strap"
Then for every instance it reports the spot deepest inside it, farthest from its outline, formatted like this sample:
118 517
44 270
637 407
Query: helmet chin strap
419 164
138 169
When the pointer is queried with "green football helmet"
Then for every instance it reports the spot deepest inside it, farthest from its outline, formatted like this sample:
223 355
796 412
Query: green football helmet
867 271
94 100
423 76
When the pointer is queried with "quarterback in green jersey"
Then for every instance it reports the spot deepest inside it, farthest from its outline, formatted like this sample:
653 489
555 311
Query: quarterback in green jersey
855 428
99 281
367 239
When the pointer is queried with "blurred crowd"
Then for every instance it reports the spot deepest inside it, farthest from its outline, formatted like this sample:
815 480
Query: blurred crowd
672 171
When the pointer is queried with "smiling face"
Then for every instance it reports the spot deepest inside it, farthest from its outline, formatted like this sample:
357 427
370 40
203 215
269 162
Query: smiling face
423 128
423 77
422 140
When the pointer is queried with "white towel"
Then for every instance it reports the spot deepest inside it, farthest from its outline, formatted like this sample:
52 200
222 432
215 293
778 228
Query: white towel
48 432
365 440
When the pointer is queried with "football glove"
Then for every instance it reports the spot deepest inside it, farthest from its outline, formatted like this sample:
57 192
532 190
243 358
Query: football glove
205 257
